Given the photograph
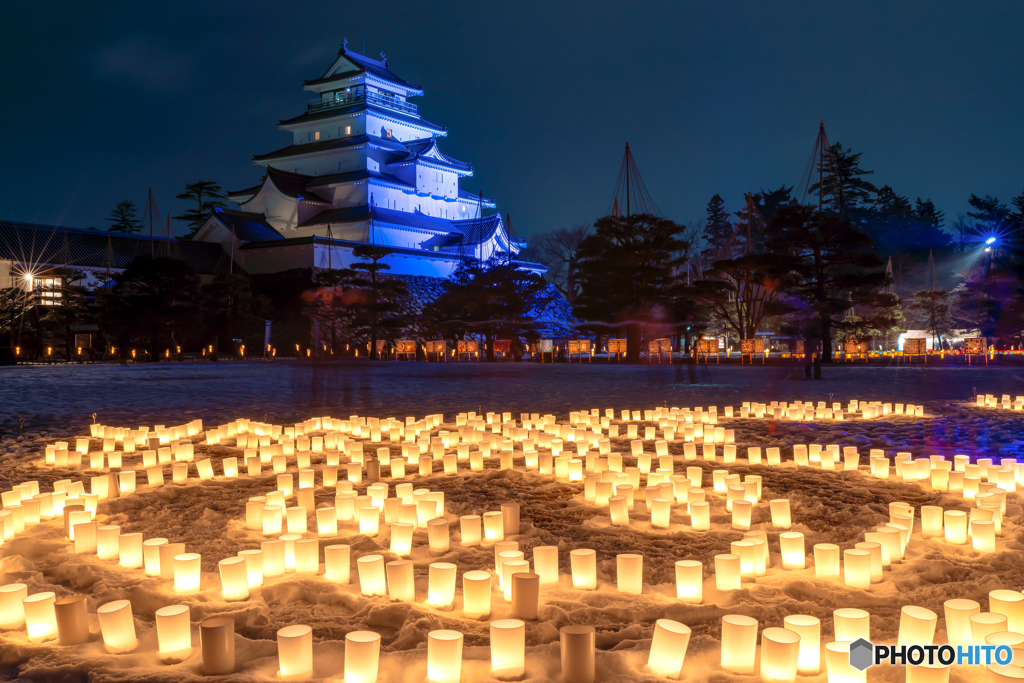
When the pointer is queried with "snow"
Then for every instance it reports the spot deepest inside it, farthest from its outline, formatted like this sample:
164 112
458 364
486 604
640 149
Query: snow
209 517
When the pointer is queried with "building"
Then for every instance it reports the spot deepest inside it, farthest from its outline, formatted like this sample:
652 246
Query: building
363 167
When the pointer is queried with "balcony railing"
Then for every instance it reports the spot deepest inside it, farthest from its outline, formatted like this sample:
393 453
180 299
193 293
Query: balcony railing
371 97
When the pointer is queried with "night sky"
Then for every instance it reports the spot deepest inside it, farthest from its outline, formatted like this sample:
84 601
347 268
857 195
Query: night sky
102 101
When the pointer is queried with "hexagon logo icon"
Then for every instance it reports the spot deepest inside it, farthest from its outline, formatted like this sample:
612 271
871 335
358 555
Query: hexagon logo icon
862 654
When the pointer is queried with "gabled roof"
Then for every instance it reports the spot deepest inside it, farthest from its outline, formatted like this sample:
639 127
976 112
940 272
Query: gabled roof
246 225
427 150
363 64
348 214
473 196
353 176
381 112
290 184
35 245
476 230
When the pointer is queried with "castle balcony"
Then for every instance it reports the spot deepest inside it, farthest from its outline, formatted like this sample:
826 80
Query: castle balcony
377 99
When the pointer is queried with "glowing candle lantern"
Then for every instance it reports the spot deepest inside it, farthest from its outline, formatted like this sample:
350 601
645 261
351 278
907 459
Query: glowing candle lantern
808 628
1011 605
1015 641
155 475
507 569
438 536
186 567
668 648
727 572
72 620
271 520
40 616
117 626
204 468
369 520
85 536
689 581
826 561
629 573
983 535
958 614
469 530
230 467
780 654
441 585
326 523
234 578
874 551
837 664
955 523
370 569
444 656
931 521
584 568
739 643
74 518
129 550
151 555
338 563
295 652
545 564
508 648
307 556
476 594
850 624
525 595
179 473
741 512
494 527
296 520
781 517
12 611
917 626
857 568
700 514
984 624
217 635
253 567
106 541
273 557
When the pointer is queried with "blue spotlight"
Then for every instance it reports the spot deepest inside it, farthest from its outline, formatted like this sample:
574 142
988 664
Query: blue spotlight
990 240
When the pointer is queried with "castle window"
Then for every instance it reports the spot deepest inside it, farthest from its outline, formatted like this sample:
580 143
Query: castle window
348 130
387 131
316 135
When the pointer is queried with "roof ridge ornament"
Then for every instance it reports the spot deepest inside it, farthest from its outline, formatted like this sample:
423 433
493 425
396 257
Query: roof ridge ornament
344 46
383 59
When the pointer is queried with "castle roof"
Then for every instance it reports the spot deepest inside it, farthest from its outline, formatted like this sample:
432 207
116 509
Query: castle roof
426 149
363 64
246 225
382 112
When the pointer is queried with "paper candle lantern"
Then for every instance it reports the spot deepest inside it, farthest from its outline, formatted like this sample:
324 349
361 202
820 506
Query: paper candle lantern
874 550
780 654
438 536
809 630
578 645
794 555
781 518
748 562
151 555
545 564
660 513
370 569
129 550
296 520
508 648
630 573
1011 605
509 567
984 624
700 515
584 568
470 530
857 568
173 632
295 652
217 635
40 616
441 585
727 572
476 594
741 512
444 656
106 541
525 595
1013 640
739 643
917 626
955 522
117 626
689 581
307 556
668 648
958 620
72 619
12 611
494 527
983 535
362 656
234 578
85 536
826 560
186 573
253 567
326 523
837 664
273 557
850 624
272 520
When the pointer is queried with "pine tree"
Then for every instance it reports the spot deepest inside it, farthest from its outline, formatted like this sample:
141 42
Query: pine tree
718 228
123 219
206 195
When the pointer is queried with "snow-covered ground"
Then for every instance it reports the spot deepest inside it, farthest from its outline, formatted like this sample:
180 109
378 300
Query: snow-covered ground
832 507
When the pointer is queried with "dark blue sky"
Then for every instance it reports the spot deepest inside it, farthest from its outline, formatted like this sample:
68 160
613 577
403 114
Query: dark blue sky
102 101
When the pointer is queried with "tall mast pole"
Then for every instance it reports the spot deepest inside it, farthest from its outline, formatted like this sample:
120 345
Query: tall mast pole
627 181
821 163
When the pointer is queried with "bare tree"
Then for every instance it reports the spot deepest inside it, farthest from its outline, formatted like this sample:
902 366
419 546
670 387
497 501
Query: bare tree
559 251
